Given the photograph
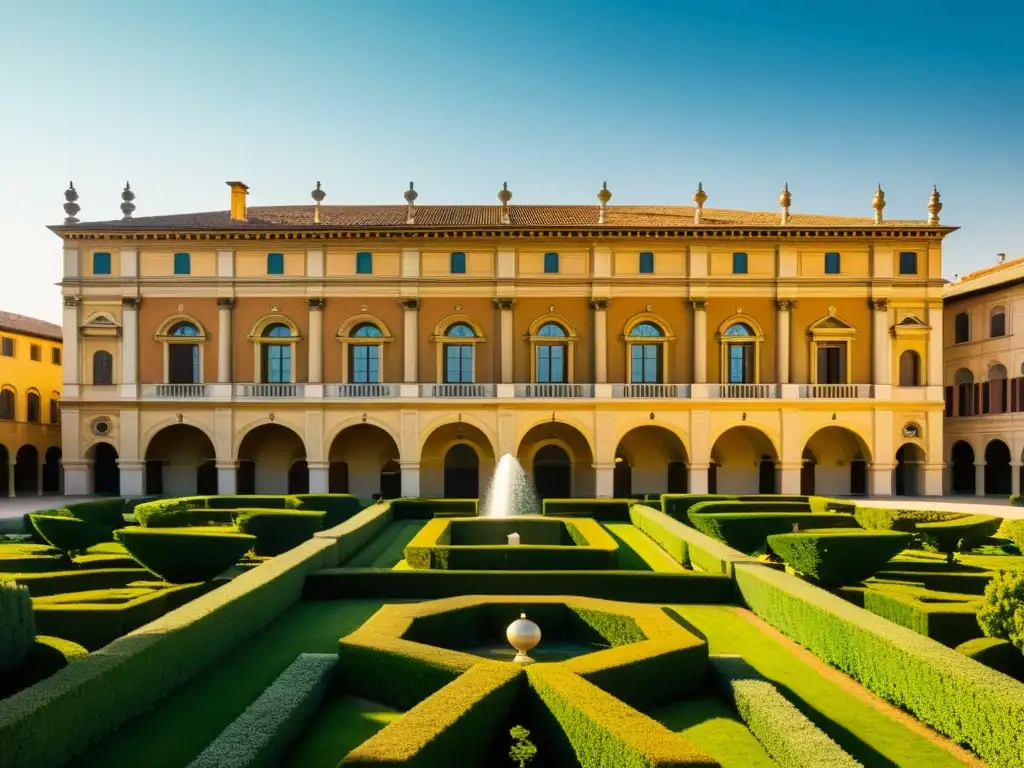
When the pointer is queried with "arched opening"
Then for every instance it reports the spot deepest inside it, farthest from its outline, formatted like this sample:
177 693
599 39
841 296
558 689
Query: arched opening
458 354
276 354
358 456
26 471
909 466
51 470
269 452
995 391
998 475
963 473
840 459
461 472
102 368
653 461
997 322
298 477
739 352
364 354
34 408
965 398
435 478
6 405
550 354
183 362
563 473
5 472
106 476
646 341
552 473
743 461
910 369
181 461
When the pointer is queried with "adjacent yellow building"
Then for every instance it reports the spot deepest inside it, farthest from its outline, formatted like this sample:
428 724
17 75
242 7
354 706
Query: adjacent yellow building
30 383
403 349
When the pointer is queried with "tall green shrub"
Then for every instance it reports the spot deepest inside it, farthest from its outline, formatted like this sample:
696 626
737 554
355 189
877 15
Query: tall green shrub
69 534
1002 614
17 625
277 531
836 558
961 535
186 555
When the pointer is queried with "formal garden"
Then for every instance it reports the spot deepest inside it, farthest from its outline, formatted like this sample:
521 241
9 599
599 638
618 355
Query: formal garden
313 631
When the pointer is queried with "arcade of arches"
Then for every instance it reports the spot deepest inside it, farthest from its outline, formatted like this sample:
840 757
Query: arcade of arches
992 472
29 471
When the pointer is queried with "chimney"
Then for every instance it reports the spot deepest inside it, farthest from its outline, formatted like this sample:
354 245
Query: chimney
1000 258
238 193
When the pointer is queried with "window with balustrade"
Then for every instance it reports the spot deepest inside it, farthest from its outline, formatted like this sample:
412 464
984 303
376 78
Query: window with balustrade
456 338
276 356
646 344
831 348
553 341
183 339
740 354
364 354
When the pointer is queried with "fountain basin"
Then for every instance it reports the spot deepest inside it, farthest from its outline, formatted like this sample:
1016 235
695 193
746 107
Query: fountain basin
545 543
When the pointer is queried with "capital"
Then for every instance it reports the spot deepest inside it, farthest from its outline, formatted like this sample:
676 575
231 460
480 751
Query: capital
316 303
600 304
504 303
72 301
785 305
699 305
410 303
131 302
879 305
225 302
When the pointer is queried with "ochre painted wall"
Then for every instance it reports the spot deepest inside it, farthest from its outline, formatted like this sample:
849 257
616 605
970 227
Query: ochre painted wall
384 310
577 314
154 312
855 312
249 310
483 313
762 310
677 316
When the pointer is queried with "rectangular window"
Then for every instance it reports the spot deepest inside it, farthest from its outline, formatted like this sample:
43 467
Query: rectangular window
364 263
645 364
646 263
551 263
7 347
101 263
908 263
962 328
277 363
831 263
550 364
831 364
364 364
458 363
35 352
275 263
182 264
741 364
739 263
458 263
55 355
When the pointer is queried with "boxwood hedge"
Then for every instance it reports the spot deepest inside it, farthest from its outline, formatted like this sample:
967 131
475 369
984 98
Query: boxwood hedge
948 618
996 653
46 656
952 536
885 519
837 557
748 532
17 625
186 555
611 510
69 534
277 531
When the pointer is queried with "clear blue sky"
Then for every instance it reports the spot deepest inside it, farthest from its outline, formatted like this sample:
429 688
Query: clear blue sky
554 97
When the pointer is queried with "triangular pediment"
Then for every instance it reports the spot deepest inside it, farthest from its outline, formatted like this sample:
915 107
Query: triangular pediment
831 323
102 319
912 322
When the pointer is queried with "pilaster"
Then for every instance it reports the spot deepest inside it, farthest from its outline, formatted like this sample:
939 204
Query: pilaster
133 477
129 346
880 479
700 341
316 340
506 309
410 324
319 476
789 476
224 349
600 307
604 480
71 354
410 478
783 317
227 478
881 343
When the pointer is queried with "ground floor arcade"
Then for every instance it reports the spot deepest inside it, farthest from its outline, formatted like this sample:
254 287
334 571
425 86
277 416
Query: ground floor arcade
30 459
433 451
980 463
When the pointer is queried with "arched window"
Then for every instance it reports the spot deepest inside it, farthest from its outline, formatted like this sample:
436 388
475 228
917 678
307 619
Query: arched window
34 411
183 358
364 354
997 323
276 356
458 356
740 349
910 369
6 405
646 353
54 410
551 354
994 399
458 263
962 328
965 397
102 368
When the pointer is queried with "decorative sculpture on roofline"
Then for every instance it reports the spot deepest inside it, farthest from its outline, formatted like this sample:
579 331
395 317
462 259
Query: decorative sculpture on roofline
699 197
410 198
934 206
318 196
127 206
878 204
71 208
603 196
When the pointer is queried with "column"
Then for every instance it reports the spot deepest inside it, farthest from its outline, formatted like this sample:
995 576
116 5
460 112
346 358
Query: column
227 478
880 480
1015 478
698 478
932 479
979 478
133 477
410 478
316 349
600 307
224 347
411 338
505 307
70 342
77 478
880 342
782 347
789 475
129 345
39 476
604 480
700 348
10 475
319 472
935 347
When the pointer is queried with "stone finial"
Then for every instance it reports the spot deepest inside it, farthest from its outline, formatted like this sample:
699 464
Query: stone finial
699 197
127 207
71 208
785 200
878 204
603 196
410 198
318 196
504 196
934 206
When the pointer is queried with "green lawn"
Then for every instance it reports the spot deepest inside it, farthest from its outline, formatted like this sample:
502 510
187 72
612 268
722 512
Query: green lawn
711 725
180 726
341 725
387 549
638 552
862 730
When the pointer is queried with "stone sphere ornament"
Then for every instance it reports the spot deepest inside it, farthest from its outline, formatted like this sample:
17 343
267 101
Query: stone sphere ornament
523 635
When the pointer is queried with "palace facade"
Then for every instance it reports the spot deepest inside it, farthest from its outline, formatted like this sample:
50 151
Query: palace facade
403 349
984 437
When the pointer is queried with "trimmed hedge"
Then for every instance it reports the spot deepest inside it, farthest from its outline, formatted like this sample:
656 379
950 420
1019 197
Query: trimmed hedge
26 562
603 731
748 532
57 582
277 531
947 618
836 558
966 583
907 520
459 719
17 627
69 534
786 734
678 505
46 656
424 509
186 555
686 545
251 502
261 735
357 531
1015 530
173 512
631 586
956 696
996 654
609 510
961 535
338 507
719 507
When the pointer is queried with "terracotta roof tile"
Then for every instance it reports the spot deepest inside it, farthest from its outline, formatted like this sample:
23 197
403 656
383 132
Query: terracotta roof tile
989 270
431 216
30 326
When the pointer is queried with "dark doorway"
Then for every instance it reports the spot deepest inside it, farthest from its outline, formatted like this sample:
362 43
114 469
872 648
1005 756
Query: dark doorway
964 478
998 477
106 477
337 477
908 461
183 364
766 476
391 480
622 479
154 477
858 477
206 478
245 478
51 471
552 473
461 473
5 474
26 470
678 477
298 477
712 478
807 469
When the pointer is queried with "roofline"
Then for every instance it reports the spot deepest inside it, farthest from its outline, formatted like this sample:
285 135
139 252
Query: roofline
983 289
33 334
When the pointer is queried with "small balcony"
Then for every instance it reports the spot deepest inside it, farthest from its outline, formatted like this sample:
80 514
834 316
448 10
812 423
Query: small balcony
834 391
459 391
176 391
269 391
553 391
650 391
361 391
743 391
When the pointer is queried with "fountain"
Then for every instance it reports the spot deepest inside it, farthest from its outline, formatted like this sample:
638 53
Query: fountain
511 492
